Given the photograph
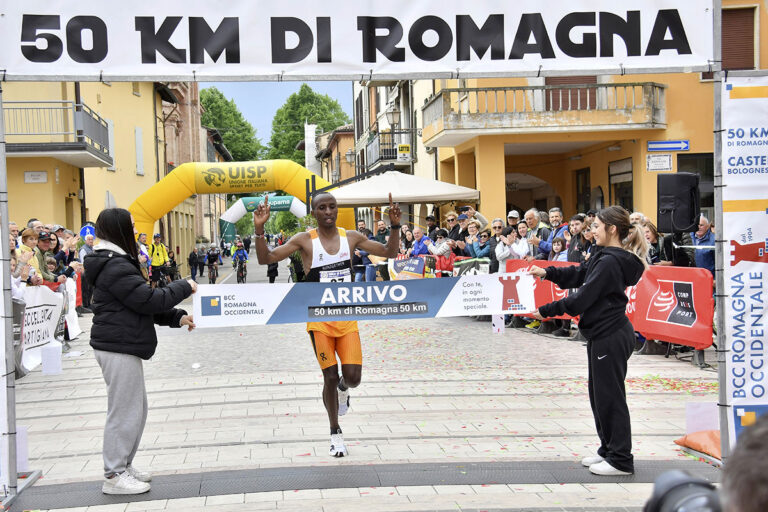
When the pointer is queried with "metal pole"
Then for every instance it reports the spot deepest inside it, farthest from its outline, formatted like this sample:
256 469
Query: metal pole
720 295
10 362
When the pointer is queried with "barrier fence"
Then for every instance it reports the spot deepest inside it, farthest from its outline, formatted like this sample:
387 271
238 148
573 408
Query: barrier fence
672 304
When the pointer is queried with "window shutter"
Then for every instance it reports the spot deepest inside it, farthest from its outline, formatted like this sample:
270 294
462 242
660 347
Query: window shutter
738 37
139 152
570 99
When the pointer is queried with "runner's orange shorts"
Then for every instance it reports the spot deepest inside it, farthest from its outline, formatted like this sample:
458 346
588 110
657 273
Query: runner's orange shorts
347 346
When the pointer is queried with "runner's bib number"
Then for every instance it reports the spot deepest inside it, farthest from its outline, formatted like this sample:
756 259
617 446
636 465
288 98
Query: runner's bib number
336 276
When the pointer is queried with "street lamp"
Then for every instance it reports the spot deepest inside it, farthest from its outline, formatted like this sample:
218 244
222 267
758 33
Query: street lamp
393 116
350 156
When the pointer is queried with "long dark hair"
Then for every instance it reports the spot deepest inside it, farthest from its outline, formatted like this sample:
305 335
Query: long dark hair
630 237
114 225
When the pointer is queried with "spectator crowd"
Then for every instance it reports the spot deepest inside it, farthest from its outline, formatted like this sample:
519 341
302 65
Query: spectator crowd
550 235
47 254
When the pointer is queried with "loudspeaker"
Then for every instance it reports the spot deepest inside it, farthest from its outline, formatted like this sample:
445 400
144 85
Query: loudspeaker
678 202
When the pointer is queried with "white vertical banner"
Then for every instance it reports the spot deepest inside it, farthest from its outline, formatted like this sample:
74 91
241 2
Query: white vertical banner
745 231
7 424
4 427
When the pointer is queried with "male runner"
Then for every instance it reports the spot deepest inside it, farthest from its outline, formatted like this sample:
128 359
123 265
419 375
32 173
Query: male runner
326 254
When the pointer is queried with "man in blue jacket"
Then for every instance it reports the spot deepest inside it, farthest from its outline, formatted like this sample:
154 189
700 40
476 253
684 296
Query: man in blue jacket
419 246
705 258
558 227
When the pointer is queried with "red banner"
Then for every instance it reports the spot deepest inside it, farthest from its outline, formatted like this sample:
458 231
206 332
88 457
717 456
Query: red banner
79 282
543 291
673 304
668 304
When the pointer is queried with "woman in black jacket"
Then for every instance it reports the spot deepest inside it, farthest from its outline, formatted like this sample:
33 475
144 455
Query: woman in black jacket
601 302
123 333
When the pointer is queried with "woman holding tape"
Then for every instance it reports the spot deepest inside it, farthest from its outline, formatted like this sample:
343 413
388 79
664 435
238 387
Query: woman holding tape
123 334
601 302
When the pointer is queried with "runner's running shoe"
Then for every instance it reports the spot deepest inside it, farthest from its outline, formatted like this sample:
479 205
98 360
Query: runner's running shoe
337 445
343 401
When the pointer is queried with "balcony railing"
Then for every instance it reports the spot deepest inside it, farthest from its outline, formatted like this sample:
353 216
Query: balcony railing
55 122
384 147
547 107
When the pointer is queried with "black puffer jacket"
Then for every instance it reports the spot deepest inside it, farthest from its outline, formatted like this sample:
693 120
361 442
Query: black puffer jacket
600 298
125 308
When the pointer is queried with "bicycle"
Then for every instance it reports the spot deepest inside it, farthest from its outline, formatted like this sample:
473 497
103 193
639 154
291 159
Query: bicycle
213 273
162 282
242 271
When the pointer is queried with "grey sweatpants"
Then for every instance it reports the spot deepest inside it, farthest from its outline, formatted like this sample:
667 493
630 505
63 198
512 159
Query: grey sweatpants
126 408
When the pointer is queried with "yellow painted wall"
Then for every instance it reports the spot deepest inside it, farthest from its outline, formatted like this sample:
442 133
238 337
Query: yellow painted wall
118 102
27 200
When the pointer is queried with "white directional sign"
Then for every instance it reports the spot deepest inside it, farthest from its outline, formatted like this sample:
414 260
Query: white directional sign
668 145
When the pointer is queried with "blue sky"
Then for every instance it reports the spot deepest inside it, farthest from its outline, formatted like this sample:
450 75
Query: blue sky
258 101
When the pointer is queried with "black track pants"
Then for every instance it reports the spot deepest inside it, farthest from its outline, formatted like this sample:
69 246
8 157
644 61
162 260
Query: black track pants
608 358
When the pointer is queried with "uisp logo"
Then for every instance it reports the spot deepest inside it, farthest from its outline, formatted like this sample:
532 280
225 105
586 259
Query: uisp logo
210 306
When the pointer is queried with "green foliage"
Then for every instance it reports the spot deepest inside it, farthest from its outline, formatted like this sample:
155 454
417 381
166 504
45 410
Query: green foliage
288 223
244 226
238 135
305 106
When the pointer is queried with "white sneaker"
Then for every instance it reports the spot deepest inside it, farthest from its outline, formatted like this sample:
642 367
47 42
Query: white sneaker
605 469
592 459
124 483
141 476
343 401
337 446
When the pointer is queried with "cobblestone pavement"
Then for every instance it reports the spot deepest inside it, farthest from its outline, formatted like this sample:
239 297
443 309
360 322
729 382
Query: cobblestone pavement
432 391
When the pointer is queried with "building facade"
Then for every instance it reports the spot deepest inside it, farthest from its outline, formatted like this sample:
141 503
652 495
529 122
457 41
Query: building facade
577 142
335 152
74 149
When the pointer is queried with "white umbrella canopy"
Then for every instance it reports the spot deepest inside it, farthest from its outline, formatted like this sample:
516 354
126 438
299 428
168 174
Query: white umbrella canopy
405 189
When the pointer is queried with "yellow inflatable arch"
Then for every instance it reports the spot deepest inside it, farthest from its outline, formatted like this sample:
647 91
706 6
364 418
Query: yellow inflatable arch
225 177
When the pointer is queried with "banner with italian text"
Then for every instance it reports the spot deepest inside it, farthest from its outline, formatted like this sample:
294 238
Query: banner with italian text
745 231
227 305
195 40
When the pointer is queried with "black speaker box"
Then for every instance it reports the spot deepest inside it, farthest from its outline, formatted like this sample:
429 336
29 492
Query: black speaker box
678 202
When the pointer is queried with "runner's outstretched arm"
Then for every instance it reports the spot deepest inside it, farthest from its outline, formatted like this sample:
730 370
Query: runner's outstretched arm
279 253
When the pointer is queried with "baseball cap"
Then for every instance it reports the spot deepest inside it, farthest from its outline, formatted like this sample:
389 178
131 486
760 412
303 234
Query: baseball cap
57 227
513 213
430 217
462 217
44 235
157 235
591 212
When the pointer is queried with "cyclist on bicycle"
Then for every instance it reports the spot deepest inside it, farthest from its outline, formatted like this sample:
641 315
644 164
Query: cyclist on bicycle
240 257
213 260
240 253
158 254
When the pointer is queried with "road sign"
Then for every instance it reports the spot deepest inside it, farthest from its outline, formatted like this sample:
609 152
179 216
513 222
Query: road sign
87 229
668 145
